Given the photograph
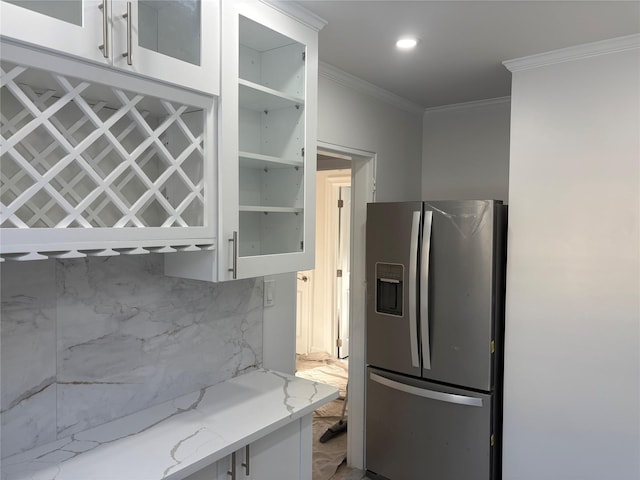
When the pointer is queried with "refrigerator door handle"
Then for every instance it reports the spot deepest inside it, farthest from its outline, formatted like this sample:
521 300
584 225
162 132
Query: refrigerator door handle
424 290
413 289
431 394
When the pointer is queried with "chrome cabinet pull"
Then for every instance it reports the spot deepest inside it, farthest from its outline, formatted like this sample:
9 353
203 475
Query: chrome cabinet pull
234 268
232 472
105 28
129 22
246 461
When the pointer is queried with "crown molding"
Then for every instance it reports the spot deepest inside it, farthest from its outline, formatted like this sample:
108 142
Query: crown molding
613 45
347 80
298 12
466 105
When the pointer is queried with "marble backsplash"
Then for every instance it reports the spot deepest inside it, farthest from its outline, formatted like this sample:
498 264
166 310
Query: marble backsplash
85 341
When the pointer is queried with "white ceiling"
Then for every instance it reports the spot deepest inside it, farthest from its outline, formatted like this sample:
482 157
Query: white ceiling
463 43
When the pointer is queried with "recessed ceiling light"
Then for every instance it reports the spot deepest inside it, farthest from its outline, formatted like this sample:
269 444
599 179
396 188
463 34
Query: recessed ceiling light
406 43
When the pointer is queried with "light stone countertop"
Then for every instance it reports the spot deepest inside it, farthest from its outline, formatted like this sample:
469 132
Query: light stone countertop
177 438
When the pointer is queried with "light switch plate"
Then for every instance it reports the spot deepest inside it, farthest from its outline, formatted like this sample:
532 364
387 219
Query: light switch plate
269 293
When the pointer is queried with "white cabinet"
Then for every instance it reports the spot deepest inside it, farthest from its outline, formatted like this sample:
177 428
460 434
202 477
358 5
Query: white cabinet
176 41
212 472
267 148
96 162
268 142
73 27
284 454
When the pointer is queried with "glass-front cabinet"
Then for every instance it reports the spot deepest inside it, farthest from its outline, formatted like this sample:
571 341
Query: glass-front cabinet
268 142
176 41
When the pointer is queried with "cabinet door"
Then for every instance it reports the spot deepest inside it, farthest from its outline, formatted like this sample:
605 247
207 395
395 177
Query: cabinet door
268 142
277 455
175 41
75 27
216 471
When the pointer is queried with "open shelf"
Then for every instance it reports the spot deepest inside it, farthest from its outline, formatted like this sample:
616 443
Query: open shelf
268 209
280 231
259 98
258 160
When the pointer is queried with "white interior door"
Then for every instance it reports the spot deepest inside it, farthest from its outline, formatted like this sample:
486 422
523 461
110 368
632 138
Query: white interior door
320 300
303 311
344 267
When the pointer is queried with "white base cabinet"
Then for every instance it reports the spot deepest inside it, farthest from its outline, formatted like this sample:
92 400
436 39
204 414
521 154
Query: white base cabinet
282 455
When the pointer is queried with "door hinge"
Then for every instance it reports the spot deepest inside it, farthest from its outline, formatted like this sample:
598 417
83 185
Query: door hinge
304 56
340 203
339 342
302 152
339 273
493 443
301 245
493 346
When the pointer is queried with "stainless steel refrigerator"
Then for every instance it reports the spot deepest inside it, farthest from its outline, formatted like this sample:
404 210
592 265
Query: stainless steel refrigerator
434 336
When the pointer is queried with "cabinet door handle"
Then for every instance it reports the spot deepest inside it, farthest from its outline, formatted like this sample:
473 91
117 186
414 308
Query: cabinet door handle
129 22
105 29
246 461
234 268
232 473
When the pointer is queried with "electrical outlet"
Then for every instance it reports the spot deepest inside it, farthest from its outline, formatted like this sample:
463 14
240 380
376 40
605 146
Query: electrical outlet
269 293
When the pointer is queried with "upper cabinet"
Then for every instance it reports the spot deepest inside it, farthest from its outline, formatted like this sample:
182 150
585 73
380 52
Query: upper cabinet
268 141
94 161
175 41
267 145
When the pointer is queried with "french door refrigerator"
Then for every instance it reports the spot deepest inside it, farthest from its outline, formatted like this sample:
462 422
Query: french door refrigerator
434 334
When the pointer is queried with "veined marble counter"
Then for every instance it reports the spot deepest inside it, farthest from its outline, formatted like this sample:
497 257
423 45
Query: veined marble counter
177 438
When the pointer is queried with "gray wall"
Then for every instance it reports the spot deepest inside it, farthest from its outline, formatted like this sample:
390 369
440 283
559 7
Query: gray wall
465 151
572 366
350 118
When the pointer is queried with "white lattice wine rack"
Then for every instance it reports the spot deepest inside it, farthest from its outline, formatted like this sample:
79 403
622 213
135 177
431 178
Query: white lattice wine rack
95 162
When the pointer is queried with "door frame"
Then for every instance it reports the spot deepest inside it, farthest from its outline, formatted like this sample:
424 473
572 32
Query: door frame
343 258
363 189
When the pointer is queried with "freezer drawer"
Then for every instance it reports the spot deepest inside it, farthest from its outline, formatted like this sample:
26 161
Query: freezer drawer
417 430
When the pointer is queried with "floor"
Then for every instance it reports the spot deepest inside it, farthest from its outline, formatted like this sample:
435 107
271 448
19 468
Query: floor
329 458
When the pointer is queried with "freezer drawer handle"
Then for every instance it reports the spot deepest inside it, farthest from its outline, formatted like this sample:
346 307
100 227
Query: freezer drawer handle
421 392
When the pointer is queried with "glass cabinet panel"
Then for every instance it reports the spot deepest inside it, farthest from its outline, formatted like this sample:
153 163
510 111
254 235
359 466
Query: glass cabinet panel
69 11
271 126
171 27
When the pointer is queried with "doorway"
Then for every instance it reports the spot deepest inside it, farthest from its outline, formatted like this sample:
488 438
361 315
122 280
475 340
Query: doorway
322 337
343 333
323 293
